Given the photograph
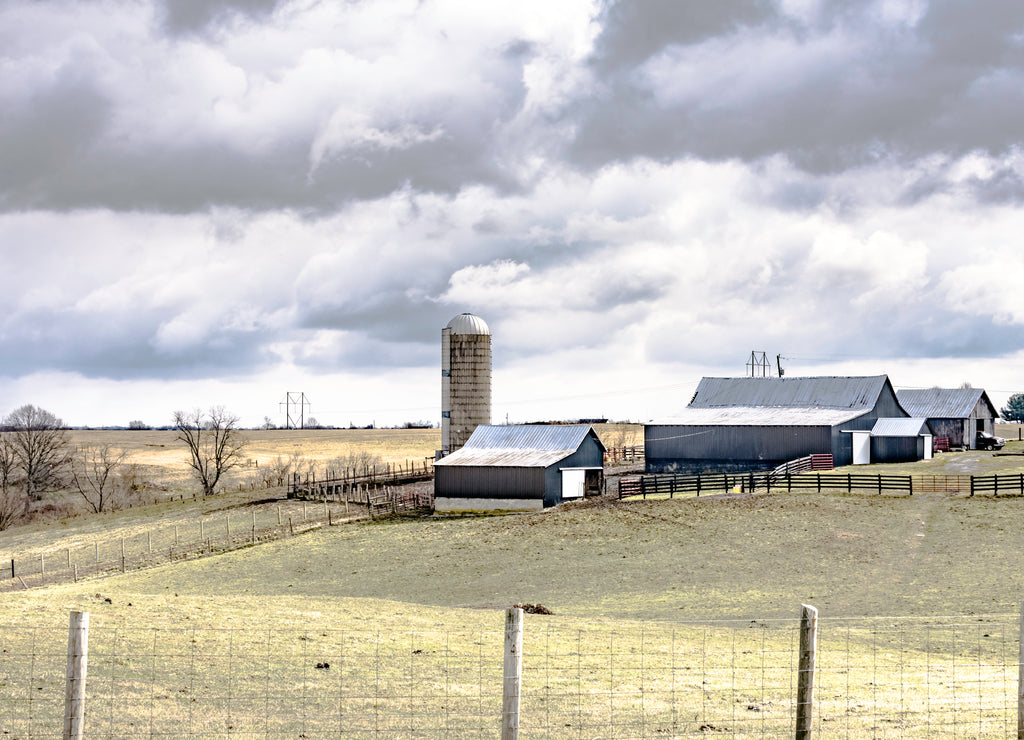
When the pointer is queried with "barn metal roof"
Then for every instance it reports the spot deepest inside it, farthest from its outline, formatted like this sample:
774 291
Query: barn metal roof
760 416
832 392
900 428
520 446
942 403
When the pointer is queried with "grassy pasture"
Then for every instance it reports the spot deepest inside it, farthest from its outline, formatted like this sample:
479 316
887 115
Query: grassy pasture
408 614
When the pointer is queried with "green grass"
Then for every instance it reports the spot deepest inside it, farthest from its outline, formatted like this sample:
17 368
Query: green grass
734 557
409 614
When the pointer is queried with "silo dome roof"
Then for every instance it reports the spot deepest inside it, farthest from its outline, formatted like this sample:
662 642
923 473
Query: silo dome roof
467 323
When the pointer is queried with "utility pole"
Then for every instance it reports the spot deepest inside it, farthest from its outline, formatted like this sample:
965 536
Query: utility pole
295 419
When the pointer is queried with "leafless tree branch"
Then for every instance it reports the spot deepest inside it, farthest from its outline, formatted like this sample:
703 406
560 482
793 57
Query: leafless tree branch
214 442
92 469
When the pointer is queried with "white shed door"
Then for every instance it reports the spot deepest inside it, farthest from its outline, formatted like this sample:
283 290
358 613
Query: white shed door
572 483
861 448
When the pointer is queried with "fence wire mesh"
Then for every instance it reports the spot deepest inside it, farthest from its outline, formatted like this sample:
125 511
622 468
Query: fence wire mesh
879 678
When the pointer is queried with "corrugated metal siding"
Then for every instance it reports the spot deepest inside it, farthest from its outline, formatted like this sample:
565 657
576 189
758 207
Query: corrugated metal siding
895 449
489 482
824 392
589 455
763 445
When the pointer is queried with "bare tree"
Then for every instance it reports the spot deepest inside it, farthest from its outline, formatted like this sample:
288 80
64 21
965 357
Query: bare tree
40 443
93 472
214 442
13 499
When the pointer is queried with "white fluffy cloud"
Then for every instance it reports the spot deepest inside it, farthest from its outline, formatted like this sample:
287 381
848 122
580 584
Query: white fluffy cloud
227 195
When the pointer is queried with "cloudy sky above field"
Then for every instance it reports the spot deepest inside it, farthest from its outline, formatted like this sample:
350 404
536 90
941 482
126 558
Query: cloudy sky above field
225 201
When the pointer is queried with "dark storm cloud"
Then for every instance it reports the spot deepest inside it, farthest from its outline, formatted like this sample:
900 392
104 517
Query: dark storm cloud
79 172
186 16
64 143
851 87
633 30
122 346
41 138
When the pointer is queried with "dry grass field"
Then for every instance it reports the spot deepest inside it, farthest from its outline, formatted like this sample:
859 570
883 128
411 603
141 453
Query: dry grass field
408 613
165 461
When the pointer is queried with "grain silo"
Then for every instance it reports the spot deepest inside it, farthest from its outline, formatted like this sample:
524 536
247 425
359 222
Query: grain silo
465 379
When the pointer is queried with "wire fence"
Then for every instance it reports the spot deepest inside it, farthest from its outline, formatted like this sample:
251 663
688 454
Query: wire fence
80 557
875 678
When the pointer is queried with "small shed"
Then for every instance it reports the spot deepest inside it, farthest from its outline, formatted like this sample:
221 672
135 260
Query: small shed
901 440
520 467
955 413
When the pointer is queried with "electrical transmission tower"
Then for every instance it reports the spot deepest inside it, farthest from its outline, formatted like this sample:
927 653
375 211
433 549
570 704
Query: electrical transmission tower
758 366
295 410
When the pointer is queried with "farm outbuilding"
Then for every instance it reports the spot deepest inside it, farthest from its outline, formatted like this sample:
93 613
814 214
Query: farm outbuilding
899 440
750 424
957 414
520 467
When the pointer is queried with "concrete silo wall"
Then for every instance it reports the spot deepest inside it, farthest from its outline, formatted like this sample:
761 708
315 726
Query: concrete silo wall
465 386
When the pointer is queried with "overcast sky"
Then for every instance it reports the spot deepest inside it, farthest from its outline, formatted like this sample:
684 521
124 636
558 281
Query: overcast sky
222 202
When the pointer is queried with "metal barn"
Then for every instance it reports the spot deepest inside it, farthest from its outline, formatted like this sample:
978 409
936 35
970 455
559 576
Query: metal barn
745 424
955 413
520 467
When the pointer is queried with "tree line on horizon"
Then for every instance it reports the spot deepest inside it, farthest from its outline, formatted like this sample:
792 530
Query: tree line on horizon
37 458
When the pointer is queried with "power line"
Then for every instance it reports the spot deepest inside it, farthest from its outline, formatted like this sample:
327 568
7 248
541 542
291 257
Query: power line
296 420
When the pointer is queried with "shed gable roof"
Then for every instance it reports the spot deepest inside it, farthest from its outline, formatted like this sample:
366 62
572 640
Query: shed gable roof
525 445
902 427
943 403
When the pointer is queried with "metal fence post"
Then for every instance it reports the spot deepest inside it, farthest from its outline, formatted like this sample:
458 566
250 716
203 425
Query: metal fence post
805 675
513 674
74 687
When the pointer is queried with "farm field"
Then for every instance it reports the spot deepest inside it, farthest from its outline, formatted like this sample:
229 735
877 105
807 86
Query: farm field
650 588
165 460
714 557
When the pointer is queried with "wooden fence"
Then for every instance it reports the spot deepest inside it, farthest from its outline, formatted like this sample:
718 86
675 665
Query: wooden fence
673 485
616 455
996 484
668 485
355 484
822 461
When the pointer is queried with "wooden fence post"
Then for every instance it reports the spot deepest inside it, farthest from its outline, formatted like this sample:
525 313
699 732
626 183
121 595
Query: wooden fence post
805 674
74 686
513 674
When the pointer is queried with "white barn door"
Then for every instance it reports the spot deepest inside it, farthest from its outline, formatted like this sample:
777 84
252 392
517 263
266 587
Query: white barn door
861 448
573 482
